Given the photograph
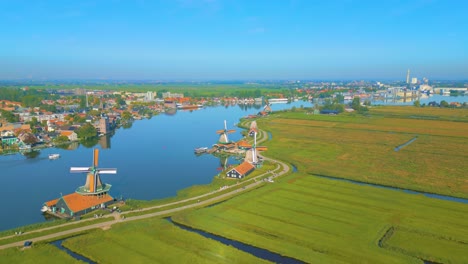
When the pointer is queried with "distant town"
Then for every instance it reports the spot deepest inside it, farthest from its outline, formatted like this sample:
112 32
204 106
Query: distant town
46 114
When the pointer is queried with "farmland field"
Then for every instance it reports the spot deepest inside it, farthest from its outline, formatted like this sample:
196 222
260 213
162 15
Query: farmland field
363 148
320 220
42 253
154 241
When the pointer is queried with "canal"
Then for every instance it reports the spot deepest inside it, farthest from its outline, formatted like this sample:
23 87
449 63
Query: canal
154 159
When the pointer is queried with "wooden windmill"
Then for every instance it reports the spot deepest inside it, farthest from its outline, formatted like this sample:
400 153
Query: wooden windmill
93 185
223 138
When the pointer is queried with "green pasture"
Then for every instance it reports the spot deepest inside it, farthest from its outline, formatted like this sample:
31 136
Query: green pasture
40 253
154 241
362 147
319 220
29 233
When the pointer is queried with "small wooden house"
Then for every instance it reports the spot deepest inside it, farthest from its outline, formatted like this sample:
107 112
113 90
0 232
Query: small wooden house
241 170
77 204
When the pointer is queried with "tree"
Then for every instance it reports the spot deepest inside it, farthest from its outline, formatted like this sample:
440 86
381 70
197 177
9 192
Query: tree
417 103
86 131
126 115
61 139
356 104
444 103
339 98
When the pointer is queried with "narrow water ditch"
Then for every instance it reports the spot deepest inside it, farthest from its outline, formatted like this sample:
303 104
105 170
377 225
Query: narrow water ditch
429 195
58 244
405 144
258 252
270 136
294 168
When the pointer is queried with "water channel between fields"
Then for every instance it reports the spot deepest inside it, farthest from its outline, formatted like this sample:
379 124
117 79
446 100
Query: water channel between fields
429 195
58 244
256 251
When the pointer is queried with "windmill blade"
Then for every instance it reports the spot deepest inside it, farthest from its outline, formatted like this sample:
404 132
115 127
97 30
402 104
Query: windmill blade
231 131
107 171
225 125
220 131
80 169
95 157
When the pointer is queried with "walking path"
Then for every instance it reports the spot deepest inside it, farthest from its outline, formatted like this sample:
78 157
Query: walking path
119 219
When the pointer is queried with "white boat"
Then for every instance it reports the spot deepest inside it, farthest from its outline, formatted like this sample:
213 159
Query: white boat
54 156
44 209
201 150
278 100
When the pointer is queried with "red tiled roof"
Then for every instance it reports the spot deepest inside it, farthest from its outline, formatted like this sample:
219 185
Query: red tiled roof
77 202
51 203
66 133
244 167
244 144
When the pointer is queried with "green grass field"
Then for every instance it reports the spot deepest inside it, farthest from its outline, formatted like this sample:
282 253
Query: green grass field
320 220
154 241
42 253
362 148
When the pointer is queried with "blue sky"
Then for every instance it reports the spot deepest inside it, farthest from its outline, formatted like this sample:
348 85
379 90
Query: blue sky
233 39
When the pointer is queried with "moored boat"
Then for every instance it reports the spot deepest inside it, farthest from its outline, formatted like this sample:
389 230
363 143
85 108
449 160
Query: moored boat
54 156
201 150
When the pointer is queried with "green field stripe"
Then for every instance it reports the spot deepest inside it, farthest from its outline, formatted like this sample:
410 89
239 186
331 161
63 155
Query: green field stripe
428 247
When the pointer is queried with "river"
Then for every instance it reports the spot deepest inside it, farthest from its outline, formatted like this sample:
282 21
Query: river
154 159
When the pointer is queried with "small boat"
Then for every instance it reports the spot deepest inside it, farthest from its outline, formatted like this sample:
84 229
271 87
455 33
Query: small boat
44 209
201 150
54 156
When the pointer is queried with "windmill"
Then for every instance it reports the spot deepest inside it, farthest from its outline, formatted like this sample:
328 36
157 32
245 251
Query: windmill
253 128
267 107
93 185
223 138
251 154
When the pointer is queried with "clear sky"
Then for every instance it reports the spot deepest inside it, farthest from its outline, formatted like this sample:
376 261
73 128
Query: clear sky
233 39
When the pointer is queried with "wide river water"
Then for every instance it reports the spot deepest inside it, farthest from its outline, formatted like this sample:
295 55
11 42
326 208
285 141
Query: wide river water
154 159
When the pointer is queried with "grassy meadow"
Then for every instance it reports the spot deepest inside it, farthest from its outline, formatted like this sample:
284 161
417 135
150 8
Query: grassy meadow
154 241
362 148
318 220
38 253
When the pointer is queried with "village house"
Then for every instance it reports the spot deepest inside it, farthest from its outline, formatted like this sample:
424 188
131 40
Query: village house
75 204
241 170
71 135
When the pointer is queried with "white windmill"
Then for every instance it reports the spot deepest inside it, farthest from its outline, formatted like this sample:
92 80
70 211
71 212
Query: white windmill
251 154
93 185
223 138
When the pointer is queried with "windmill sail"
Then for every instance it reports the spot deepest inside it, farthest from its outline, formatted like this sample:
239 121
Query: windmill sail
93 183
